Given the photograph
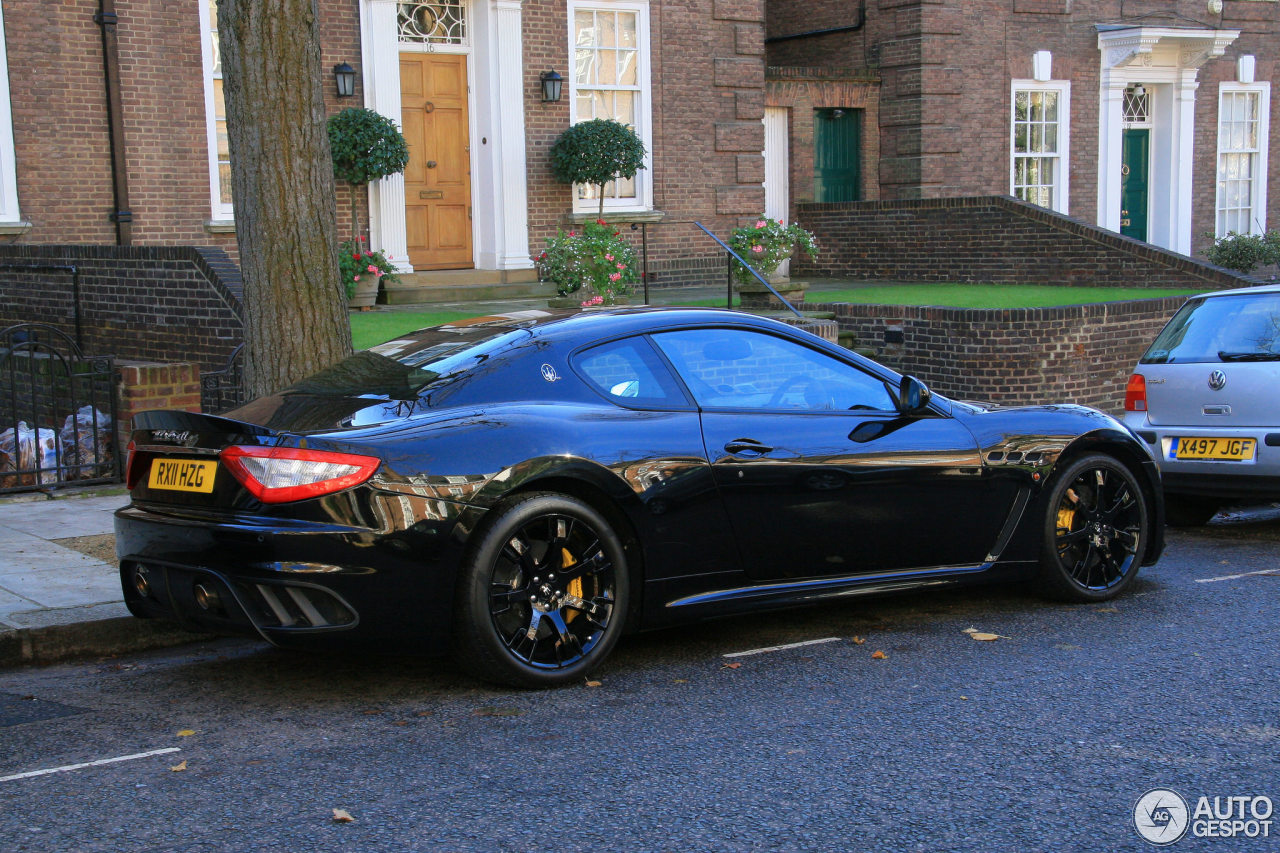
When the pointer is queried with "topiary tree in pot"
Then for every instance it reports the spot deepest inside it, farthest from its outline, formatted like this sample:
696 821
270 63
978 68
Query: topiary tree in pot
366 146
596 152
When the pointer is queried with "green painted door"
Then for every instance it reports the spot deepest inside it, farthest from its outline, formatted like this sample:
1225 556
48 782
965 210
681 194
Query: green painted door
1134 158
837 155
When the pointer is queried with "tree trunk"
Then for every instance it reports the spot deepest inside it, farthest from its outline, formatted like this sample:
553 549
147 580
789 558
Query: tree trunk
282 183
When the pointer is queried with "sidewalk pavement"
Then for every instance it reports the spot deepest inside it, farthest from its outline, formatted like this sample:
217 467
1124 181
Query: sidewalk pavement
57 602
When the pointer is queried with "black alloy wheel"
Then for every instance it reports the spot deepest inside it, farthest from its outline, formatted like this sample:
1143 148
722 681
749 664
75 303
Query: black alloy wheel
1096 529
544 593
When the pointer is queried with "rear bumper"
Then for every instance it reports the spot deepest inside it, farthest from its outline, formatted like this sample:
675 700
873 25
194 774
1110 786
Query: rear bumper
1258 478
293 583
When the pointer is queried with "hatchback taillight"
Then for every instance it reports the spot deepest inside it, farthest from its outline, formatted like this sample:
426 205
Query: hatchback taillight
277 475
1135 394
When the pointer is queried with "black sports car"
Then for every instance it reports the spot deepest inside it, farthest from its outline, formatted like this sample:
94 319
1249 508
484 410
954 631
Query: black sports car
522 489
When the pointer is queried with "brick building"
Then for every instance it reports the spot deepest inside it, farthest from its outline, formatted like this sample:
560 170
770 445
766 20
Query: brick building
1147 117
111 122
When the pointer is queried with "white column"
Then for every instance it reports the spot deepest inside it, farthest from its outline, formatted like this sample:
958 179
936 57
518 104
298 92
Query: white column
1110 126
380 46
1184 95
512 210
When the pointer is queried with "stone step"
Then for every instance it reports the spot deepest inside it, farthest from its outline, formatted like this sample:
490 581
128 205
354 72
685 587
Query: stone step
463 286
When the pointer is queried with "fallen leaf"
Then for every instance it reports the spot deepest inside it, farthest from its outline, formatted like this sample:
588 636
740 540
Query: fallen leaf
734 665
985 637
795 752
400 723
178 768
680 681
1107 610
186 733
878 655
965 698
970 630
857 641
371 711
593 683
425 713
342 816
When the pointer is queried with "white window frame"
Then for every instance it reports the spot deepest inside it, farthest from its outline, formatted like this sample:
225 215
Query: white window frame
1258 219
643 199
219 211
1062 174
9 213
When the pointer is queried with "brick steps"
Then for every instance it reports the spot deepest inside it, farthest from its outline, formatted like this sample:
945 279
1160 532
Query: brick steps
463 286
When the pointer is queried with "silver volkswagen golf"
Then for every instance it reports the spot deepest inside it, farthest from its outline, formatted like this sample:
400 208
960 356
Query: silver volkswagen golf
1206 397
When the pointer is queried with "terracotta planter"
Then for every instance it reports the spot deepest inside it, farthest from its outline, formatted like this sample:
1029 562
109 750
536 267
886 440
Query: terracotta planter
366 292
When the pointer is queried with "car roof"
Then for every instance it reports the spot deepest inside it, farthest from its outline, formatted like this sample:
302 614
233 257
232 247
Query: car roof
573 325
1236 291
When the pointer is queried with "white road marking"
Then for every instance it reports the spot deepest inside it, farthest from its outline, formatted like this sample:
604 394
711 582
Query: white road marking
778 648
98 763
1235 577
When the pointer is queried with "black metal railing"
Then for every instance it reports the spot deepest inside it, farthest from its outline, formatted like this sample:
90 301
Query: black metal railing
57 412
734 256
223 389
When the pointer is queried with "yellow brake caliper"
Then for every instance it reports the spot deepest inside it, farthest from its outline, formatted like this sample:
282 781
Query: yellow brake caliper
575 586
1067 515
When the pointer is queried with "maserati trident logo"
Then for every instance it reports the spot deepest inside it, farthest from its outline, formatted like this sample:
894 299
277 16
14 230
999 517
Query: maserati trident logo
1217 380
549 373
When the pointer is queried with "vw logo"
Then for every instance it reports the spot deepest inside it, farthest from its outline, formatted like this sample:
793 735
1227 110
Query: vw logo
1217 380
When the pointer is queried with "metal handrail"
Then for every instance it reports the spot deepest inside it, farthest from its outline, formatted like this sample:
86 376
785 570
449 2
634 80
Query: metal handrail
749 269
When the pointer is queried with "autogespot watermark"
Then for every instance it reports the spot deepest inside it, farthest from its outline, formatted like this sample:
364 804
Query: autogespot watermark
1162 817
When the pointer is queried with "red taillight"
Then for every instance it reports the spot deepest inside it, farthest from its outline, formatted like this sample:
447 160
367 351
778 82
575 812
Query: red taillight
277 475
131 476
1135 394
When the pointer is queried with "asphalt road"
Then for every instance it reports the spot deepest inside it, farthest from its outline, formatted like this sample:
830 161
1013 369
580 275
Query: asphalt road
1043 739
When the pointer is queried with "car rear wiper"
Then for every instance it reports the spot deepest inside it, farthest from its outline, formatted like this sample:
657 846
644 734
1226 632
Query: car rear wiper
1248 356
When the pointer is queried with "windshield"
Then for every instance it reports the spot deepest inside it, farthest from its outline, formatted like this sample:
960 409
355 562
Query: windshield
1245 327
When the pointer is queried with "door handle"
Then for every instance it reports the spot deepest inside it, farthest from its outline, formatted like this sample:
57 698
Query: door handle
429 107
747 447
431 164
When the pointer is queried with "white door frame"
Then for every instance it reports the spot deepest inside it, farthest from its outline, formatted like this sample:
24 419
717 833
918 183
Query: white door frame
777 169
1166 60
499 193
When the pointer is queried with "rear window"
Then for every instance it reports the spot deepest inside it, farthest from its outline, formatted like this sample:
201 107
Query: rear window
1245 327
405 367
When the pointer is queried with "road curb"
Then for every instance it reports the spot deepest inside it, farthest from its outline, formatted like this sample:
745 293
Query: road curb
94 638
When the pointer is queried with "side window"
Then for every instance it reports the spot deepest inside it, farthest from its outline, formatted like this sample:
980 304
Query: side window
630 373
727 368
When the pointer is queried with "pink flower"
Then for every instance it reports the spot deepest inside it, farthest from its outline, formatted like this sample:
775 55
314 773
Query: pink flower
595 300
573 233
757 248
355 278
615 276
608 257
601 222
760 223
371 268
355 257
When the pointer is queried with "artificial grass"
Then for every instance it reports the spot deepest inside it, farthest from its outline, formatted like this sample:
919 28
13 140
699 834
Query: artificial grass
370 328
977 295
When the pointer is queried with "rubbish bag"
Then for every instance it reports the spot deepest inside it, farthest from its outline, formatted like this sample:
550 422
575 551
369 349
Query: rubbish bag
26 451
86 442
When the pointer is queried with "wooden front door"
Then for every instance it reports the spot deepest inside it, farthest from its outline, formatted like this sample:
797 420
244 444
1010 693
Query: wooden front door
437 181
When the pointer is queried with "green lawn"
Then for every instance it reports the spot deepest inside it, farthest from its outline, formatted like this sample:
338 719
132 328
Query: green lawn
370 328
979 295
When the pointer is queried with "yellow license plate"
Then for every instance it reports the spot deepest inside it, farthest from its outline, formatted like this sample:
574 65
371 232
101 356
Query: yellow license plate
1222 449
182 475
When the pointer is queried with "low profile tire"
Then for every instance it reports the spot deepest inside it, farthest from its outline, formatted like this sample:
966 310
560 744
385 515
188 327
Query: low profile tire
1184 511
543 593
1095 531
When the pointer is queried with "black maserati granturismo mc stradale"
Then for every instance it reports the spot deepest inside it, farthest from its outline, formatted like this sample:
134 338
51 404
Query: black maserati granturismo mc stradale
523 489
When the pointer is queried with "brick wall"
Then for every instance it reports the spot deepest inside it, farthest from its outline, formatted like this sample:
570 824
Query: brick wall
993 239
946 70
144 386
153 303
707 63
61 134
1071 354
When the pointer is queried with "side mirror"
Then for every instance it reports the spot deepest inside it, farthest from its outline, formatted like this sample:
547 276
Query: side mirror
913 396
